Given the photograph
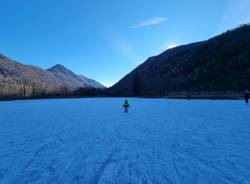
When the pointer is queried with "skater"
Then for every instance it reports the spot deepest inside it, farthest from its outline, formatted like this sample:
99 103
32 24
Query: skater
246 96
126 106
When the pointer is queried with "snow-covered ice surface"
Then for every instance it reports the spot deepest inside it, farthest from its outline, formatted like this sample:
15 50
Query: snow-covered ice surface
93 141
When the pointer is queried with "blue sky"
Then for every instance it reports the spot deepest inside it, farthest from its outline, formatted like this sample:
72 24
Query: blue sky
106 39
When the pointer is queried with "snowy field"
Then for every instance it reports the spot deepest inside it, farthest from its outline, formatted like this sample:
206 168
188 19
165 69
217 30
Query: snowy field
92 141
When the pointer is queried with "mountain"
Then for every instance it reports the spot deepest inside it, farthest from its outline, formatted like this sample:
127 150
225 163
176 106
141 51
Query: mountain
216 65
71 79
65 76
92 83
18 80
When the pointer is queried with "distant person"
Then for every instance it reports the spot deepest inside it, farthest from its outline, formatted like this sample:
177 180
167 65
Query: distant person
126 106
188 96
246 96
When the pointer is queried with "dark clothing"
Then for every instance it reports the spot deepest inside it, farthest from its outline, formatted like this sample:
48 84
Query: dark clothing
126 109
126 106
246 97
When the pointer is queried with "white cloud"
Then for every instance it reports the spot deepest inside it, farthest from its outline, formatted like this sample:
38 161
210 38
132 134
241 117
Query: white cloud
149 22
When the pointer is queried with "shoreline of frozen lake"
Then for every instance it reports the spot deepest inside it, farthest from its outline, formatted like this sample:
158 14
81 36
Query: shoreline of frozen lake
91 140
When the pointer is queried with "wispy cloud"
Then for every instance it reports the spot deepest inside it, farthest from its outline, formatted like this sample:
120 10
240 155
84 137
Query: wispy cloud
149 22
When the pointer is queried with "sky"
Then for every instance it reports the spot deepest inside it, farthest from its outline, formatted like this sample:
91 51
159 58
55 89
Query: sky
106 39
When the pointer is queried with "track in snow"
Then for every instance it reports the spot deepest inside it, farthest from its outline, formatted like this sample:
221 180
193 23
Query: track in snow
93 141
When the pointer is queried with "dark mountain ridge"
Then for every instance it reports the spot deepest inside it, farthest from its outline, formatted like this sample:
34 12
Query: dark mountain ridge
219 64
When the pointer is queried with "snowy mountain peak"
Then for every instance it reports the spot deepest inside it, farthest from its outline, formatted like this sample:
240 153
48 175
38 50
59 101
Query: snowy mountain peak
69 77
59 68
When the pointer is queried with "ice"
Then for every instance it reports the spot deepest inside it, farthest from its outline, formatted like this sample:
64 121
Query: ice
93 141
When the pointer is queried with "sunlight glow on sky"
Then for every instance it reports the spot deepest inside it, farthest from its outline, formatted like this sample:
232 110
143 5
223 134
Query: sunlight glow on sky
105 40
171 46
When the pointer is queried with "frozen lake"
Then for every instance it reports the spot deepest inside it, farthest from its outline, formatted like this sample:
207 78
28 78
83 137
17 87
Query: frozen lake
93 141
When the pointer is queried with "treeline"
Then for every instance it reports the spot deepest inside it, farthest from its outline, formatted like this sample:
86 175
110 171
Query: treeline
12 89
33 90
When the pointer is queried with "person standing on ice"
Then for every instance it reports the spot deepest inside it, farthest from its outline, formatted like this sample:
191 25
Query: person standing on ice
246 96
126 106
